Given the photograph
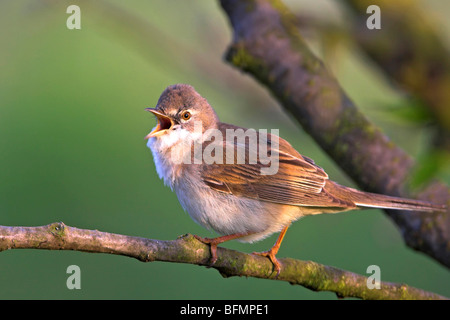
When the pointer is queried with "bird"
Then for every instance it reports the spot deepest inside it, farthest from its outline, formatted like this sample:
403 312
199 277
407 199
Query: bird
221 183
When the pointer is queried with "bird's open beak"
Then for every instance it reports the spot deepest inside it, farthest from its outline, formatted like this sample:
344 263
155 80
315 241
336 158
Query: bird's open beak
164 123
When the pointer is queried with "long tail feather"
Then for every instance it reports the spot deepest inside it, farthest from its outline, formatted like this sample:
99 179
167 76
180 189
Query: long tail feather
373 200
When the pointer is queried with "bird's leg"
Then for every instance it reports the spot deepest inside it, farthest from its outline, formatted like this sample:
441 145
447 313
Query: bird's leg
273 251
213 242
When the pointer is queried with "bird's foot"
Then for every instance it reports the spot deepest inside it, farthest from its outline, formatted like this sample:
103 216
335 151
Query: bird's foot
212 242
271 255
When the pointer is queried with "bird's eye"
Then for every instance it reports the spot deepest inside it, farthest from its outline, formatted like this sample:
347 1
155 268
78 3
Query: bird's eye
186 115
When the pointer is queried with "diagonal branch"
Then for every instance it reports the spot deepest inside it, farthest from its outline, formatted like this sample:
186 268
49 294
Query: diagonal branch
186 249
266 44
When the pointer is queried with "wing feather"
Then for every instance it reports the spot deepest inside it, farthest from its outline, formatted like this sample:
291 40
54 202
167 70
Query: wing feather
298 181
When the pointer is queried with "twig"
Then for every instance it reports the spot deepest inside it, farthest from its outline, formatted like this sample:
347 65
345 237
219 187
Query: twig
186 249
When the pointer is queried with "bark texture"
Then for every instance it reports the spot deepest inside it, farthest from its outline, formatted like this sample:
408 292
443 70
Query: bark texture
187 249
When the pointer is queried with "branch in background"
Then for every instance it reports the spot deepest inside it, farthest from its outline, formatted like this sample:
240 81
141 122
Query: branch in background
186 249
409 50
267 45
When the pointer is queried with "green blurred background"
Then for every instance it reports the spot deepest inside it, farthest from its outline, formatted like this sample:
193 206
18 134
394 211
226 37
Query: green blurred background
72 148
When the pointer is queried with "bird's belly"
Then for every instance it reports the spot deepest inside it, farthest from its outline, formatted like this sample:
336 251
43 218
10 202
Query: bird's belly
228 214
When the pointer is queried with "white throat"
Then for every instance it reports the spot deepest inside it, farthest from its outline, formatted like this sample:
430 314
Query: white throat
169 150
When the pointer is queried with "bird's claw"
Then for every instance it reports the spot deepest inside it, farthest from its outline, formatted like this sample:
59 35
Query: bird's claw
212 245
271 255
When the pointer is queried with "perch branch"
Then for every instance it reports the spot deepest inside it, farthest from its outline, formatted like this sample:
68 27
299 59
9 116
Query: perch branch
186 249
267 44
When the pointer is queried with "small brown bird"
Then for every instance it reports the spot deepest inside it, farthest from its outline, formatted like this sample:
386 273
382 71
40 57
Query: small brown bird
243 184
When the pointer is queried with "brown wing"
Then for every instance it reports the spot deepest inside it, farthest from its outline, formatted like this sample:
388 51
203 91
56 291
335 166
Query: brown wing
298 181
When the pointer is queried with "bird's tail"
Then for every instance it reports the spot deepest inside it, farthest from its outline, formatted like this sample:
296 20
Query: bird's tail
373 200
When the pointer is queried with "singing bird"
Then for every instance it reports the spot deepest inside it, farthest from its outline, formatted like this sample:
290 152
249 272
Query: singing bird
234 198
